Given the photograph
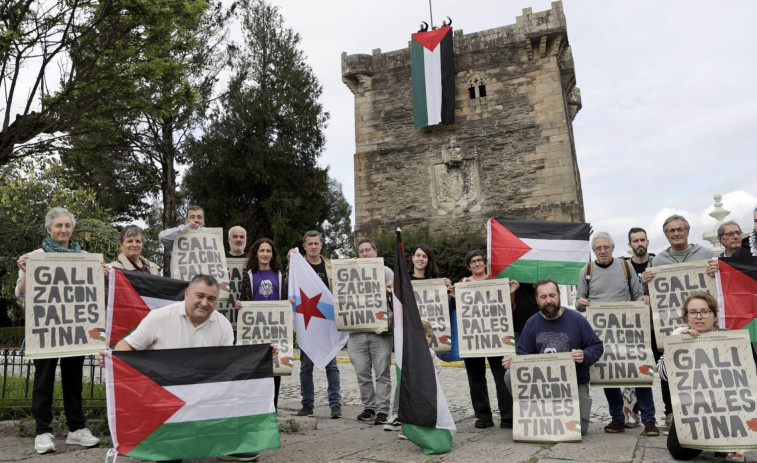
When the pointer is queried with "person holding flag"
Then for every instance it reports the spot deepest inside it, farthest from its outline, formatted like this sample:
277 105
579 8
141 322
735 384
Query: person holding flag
314 322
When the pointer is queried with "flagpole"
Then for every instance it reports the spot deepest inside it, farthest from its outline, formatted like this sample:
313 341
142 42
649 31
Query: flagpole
431 14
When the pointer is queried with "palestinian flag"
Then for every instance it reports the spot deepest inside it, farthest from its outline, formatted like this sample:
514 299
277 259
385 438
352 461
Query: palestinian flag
132 295
432 67
423 411
191 403
531 250
737 291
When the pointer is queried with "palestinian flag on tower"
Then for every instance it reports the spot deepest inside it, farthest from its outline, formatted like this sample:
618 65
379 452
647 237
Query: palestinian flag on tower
423 411
132 295
737 291
432 68
531 250
191 403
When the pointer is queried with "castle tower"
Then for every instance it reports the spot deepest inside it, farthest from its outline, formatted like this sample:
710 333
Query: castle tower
509 153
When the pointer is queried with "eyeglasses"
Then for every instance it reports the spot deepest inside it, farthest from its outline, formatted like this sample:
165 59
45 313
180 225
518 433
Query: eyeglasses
670 231
732 234
477 261
701 314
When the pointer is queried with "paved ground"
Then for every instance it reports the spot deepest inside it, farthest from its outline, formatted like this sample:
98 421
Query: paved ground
347 440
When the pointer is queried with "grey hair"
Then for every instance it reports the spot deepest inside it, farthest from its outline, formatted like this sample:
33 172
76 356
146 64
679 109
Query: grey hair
56 212
602 236
673 218
312 234
235 226
721 228
207 280
128 231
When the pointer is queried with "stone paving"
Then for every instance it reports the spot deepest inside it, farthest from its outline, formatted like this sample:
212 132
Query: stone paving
319 438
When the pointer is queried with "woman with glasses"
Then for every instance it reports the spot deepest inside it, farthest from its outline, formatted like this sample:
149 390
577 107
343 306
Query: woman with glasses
475 367
700 313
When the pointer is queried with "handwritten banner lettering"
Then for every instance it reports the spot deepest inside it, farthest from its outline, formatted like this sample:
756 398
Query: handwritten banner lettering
484 318
200 252
268 322
670 287
624 329
433 306
359 292
713 387
235 266
65 305
545 392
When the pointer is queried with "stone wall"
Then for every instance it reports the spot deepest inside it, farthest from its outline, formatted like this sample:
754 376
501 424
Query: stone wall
509 153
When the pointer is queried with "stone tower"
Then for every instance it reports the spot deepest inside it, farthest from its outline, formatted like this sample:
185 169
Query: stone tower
509 153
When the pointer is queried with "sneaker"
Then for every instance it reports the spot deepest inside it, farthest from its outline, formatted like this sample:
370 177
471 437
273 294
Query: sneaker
367 415
633 420
381 418
248 456
668 420
44 443
306 410
82 437
402 436
650 429
483 424
336 411
394 425
616 426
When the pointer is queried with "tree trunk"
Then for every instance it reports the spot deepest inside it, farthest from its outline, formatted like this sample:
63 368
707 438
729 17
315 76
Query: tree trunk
168 184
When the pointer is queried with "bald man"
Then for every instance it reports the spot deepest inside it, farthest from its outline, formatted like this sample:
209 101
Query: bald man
237 241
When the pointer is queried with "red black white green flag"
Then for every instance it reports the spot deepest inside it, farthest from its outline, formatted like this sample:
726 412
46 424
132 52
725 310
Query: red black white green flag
432 67
191 403
737 289
132 295
531 250
423 410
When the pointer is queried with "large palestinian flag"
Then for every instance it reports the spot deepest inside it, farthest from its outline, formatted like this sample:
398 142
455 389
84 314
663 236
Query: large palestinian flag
132 295
432 67
191 403
423 411
531 250
737 290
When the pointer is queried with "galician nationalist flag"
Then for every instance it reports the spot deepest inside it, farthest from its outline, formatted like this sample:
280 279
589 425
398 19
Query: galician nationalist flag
132 295
737 290
432 68
423 410
531 250
191 403
314 320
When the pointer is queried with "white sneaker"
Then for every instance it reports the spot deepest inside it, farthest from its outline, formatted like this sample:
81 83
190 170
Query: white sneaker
44 443
82 437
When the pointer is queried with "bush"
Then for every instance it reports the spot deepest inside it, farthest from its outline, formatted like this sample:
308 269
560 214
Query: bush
11 337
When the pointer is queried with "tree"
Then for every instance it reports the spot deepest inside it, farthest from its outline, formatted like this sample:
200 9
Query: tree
255 165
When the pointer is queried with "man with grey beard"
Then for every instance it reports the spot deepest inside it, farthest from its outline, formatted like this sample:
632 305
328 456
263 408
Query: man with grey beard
558 329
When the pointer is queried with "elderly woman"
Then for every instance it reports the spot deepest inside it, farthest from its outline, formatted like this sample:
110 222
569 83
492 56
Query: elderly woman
59 224
130 242
700 313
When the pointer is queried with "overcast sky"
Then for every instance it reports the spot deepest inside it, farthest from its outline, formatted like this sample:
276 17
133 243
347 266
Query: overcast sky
669 112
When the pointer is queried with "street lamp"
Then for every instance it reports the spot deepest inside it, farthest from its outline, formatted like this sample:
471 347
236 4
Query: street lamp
84 234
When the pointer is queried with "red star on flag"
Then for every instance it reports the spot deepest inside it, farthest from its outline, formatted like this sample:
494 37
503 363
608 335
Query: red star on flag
309 307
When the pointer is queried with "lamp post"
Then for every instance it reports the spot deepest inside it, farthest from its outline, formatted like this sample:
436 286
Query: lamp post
84 233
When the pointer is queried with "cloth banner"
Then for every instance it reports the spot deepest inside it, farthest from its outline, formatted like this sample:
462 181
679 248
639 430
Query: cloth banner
200 252
433 306
359 290
484 318
268 322
235 266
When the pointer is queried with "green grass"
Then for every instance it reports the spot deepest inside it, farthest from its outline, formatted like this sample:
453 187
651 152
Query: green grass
15 407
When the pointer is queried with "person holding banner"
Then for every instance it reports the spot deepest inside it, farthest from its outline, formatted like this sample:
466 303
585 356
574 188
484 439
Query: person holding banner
237 241
262 281
475 367
130 242
60 225
558 329
700 313
195 219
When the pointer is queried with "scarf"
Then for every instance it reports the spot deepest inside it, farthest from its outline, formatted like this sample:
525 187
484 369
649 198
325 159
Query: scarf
753 242
48 245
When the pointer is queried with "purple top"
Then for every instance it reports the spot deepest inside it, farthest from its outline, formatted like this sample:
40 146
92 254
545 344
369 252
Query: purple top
265 285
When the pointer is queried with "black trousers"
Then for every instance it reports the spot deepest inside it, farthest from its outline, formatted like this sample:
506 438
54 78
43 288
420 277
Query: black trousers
664 385
42 393
479 393
675 449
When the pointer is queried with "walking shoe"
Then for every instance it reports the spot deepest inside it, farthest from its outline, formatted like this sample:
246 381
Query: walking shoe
616 426
306 410
650 429
367 415
381 418
506 424
668 420
483 424
402 436
44 443
394 425
82 437
248 456
336 412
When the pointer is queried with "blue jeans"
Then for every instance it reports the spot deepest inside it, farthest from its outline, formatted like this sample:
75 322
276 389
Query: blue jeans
643 397
306 381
